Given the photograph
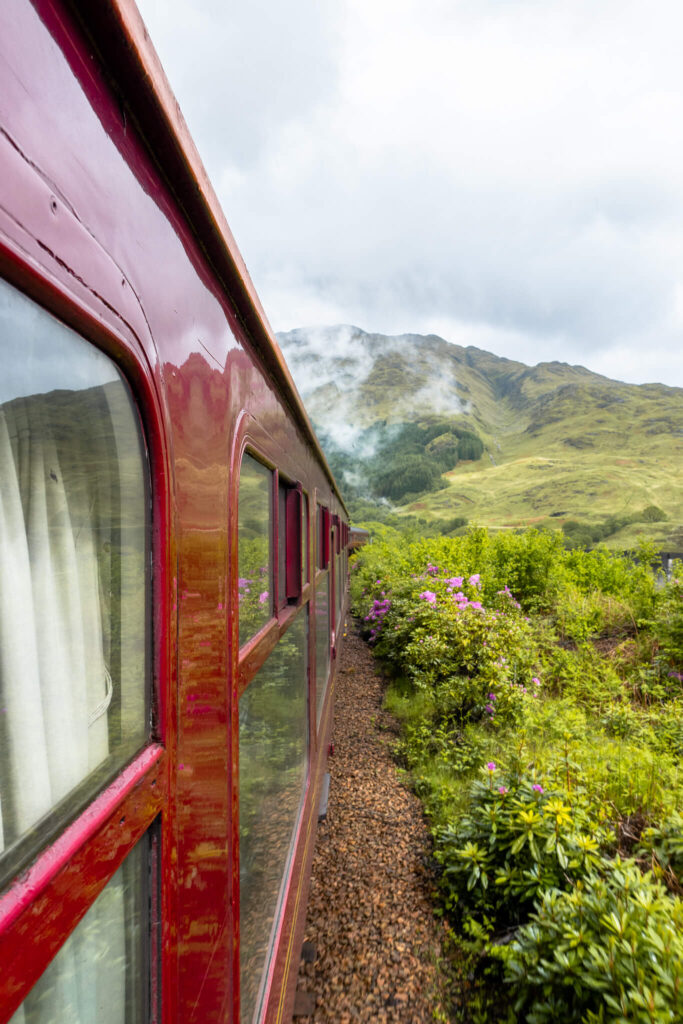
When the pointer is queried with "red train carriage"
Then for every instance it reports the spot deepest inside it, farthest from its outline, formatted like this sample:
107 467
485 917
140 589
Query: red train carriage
172 561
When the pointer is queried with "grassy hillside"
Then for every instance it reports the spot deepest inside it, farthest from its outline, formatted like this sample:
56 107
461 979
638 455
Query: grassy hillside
560 443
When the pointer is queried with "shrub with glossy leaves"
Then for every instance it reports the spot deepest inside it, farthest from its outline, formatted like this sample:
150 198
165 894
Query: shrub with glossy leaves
518 838
609 951
662 846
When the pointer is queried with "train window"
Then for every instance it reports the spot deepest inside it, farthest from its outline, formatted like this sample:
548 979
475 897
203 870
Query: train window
322 641
282 544
101 972
255 584
73 580
273 756
339 566
289 543
323 537
305 542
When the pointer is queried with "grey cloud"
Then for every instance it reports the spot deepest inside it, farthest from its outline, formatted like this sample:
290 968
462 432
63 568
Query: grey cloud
241 69
513 169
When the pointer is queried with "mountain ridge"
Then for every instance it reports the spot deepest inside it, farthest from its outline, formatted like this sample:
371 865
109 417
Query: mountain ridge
370 393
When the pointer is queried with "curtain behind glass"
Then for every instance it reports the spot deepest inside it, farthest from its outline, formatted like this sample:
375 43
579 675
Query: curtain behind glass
73 599
73 513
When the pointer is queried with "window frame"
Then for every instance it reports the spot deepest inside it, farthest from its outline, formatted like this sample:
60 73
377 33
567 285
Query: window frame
46 898
251 438
292 870
323 523
252 641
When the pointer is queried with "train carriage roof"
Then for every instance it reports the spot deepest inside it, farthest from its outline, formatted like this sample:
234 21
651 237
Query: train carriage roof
125 50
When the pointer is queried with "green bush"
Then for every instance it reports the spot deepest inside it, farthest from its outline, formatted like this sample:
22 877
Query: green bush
653 514
565 668
662 846
668 627
518 838
610 950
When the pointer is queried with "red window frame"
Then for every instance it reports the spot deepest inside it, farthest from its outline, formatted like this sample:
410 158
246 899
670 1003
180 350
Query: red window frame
293 539
251 439
289 542
323 539
46 900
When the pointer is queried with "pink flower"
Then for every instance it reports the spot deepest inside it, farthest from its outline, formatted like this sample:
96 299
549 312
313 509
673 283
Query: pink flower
263 597
490 766
428 595
536 788
502 790
535 680
474 580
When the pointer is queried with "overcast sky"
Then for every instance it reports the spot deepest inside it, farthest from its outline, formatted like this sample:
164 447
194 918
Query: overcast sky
504 173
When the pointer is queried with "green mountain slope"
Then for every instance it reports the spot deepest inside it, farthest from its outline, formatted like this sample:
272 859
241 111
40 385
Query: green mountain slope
560 443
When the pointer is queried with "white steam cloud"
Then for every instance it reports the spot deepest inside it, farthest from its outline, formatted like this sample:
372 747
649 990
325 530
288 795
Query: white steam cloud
332 366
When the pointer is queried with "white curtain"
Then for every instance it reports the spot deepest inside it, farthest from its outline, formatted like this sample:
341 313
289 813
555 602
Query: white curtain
54 683
55 688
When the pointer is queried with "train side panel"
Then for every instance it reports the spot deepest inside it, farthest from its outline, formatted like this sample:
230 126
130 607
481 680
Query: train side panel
94 233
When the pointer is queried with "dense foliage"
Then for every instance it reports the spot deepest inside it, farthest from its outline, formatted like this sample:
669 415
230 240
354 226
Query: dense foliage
401 460
540 692
578 534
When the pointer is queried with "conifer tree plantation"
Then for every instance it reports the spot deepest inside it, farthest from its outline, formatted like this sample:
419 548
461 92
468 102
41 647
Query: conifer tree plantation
540 695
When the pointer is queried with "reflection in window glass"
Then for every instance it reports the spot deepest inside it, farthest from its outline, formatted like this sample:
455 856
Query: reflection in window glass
322 537
305 553
273 751
73 586
255 590
282 545
322 641
339 567
100 975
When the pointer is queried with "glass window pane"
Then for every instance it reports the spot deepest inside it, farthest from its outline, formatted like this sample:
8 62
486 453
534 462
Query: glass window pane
255 588
305 555
322 641
273 754
282 546
339 568
320 562
73 581
100 975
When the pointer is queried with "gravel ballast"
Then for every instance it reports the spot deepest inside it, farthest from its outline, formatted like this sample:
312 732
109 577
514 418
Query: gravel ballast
370 912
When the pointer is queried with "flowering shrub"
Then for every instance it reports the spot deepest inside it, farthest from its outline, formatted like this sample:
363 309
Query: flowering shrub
542 709
445 632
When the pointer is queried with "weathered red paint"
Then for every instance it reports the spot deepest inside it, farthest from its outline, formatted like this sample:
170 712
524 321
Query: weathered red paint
107 219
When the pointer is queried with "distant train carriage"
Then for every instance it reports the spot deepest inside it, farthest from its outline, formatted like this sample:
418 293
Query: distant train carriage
358 537
173 561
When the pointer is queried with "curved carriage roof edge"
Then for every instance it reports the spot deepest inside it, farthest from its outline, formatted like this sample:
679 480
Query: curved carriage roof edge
116 29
